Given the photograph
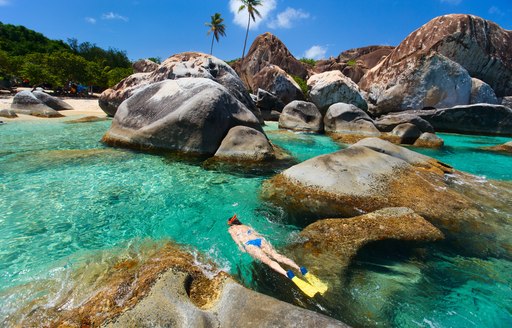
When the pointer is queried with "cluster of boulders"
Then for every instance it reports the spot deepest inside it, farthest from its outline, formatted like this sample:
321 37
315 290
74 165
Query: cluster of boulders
192 103
36 103
452 61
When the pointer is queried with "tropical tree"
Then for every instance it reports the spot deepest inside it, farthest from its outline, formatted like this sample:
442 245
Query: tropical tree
216 28
250 6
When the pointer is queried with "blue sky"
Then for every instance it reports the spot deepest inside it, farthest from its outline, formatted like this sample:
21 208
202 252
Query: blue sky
315 29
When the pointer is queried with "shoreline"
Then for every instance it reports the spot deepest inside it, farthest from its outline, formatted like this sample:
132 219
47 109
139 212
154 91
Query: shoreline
81 107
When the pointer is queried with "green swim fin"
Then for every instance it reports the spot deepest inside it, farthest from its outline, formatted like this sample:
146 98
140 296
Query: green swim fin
306 288
314 281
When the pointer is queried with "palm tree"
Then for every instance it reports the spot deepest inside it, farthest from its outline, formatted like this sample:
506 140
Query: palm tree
250 5
216 28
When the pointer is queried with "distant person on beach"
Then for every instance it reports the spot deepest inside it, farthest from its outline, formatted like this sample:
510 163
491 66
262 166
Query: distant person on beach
251 242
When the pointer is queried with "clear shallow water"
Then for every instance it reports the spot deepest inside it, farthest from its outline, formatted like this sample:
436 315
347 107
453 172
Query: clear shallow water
65 196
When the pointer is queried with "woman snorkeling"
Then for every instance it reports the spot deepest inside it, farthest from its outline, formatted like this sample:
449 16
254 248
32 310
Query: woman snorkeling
251 242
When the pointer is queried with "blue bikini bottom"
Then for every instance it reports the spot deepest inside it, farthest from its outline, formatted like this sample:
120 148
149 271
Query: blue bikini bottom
254 242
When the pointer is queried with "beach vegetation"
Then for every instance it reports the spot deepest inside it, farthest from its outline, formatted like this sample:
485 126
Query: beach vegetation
302 84
250 6
308 61
217 28
26 55
157 60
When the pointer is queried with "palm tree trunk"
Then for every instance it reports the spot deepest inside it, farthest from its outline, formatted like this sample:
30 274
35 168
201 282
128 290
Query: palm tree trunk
246 35
211 48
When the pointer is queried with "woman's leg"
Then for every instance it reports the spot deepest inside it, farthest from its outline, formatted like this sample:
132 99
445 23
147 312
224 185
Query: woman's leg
258 254
267 248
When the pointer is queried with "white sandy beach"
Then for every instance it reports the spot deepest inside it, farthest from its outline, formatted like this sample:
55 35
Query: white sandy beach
81 107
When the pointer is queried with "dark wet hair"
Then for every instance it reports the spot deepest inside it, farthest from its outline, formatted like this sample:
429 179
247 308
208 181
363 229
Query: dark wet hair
234 220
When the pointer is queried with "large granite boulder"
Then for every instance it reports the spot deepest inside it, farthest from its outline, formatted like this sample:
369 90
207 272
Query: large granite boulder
504 148
387 123
373 174
159 286
471 119
110 99
341 239
301 116
31 103
333 87
429 140
266 50
417 82
52 102
187 64
269 105
482 92
268 101
8 113
275 80
349 119
406 133
507 101
354 63
191 115
243 143
480 46
144 66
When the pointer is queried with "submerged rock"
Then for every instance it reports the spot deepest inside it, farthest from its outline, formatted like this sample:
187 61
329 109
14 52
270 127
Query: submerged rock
87 119
330 244
161 285
505 148
373 174
183 65
301 116
190 115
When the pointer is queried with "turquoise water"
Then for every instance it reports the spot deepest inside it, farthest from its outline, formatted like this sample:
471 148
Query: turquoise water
465 153
65 197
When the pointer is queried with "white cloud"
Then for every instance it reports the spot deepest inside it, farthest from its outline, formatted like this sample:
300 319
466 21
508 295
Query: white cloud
240 18
496 11
112 16
4 2
451 2
90 20
316 52
286 18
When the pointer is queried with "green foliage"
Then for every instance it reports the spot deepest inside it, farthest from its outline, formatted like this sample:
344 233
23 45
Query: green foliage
351 63
217 28
26 54
115 75
308 61
302 84
19 41
157 60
